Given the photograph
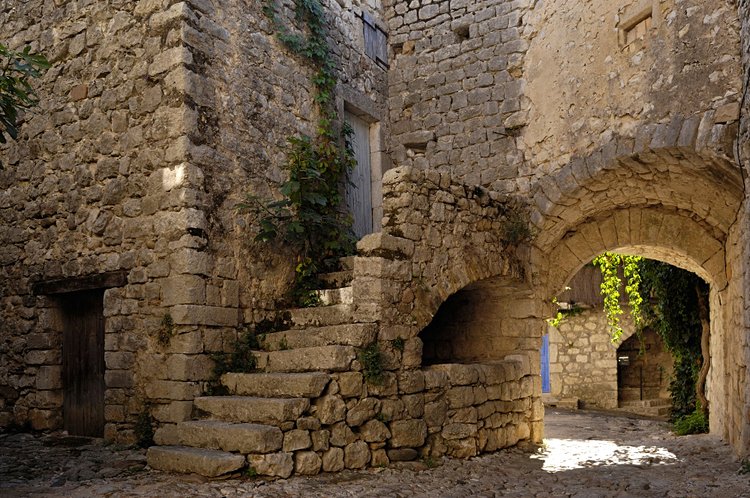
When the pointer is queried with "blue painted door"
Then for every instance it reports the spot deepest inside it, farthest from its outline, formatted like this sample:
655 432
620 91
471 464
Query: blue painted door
545 363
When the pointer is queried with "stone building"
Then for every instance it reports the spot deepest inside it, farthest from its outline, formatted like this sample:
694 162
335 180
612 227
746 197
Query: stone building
607 125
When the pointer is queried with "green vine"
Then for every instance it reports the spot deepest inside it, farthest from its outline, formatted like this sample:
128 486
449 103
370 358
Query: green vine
673 313
309 217
609 264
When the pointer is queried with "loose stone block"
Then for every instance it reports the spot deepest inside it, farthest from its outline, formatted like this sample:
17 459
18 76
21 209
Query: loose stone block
364 410
307 463
408 433
333 460
296 440
272 464
330 409
320 440
374 431
356 455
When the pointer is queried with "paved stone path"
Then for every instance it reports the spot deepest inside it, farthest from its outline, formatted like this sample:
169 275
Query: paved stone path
587 454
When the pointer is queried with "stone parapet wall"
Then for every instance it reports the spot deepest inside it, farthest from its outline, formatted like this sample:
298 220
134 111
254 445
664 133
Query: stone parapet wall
456 410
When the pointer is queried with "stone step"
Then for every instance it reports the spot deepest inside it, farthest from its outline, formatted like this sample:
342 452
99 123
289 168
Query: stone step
350 334
248 409
276 385
337 278
314 359
218 435
347 263
646 403
209 463
321 316
329 297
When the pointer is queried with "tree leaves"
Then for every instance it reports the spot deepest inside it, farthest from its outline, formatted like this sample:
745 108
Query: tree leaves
16 92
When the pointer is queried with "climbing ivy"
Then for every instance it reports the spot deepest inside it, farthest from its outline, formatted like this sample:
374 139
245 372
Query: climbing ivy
675 301
673 311
309 217
610 263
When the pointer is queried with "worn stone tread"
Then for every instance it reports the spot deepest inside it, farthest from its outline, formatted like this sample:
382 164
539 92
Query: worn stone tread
248 409
215 434
276 385
348 334
209 463
318 358
319 316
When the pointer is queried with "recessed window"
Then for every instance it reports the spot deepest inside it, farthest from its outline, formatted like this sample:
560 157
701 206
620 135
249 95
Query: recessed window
635 30
376 40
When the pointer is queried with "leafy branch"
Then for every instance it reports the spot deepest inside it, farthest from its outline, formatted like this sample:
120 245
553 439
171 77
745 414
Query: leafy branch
16 93
609 263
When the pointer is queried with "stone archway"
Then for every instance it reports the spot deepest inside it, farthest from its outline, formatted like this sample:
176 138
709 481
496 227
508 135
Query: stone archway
674 200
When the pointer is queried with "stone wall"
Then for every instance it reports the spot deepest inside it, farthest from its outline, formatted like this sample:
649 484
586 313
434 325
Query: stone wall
95 184
583 360
156 118
741 307
456 93
603 87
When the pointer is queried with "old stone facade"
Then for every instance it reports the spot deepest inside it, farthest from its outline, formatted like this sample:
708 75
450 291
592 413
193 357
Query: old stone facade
158 116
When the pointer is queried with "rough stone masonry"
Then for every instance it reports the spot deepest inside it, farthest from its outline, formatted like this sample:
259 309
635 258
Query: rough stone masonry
606 125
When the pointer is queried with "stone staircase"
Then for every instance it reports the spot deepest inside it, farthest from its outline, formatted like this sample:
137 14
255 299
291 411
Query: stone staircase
271 421
657 408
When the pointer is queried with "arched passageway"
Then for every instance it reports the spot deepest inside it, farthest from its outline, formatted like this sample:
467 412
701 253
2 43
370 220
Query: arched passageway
675 204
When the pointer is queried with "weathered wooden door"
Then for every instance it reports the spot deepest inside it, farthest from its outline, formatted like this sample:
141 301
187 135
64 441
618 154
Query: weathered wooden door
83 362
359 186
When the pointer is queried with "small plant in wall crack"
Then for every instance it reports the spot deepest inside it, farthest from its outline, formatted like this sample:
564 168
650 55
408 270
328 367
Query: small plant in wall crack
166 330
371 359
398 344
309 217
144 428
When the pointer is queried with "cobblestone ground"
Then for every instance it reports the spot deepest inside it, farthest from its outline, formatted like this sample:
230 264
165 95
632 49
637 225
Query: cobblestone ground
586 455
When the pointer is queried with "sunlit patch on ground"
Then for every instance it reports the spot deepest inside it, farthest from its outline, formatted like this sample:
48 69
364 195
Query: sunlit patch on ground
568 454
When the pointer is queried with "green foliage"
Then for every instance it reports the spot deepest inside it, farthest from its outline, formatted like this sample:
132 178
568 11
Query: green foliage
16 93
382 417
166 330
309 217
673 313
515 227
563 314
398 344
144 429
241 359
283 345
744 467
609 264
372 363
251 472
693 423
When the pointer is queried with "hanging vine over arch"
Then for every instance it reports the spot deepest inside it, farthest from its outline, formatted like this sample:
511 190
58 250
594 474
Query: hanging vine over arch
609 264
676 306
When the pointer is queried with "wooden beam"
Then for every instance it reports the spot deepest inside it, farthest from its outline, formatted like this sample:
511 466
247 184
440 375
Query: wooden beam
99 281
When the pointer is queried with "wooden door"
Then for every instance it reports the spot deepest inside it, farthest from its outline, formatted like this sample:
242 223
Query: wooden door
359 186
83 362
